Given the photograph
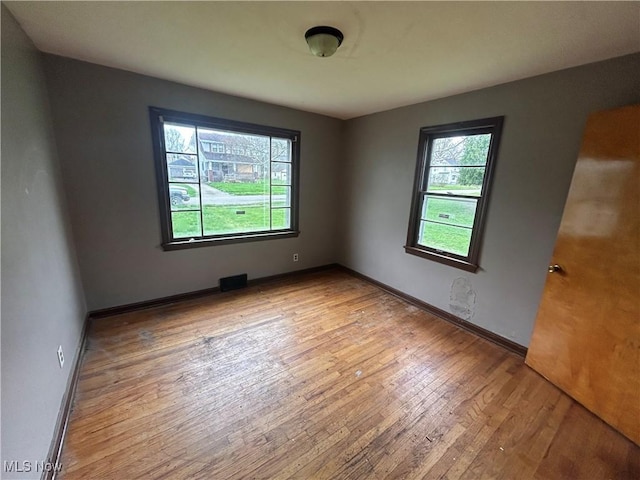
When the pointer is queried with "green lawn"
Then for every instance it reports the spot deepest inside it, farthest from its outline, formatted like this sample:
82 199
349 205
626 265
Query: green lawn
228 219
454 187
452 211
256 188
448 239
447 235
192 192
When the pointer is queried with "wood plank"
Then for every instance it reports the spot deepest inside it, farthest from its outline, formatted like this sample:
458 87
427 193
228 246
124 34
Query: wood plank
322 376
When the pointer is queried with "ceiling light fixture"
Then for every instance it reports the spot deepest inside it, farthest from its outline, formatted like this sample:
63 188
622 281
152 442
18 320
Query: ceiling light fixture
323 41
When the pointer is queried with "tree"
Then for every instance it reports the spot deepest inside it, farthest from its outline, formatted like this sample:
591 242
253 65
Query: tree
173 140
475 153
445 150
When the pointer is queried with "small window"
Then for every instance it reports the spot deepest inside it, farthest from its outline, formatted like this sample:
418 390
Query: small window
221 181
451 190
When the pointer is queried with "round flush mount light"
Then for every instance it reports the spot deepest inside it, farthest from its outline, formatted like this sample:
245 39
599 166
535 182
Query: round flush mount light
323 41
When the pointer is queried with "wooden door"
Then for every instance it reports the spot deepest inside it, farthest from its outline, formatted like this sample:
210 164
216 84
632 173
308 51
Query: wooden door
586 338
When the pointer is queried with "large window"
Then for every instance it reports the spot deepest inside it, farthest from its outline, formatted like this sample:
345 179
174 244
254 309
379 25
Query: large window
222 181
453 177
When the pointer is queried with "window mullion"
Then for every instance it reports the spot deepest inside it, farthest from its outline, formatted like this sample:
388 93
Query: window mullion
270 184
199 181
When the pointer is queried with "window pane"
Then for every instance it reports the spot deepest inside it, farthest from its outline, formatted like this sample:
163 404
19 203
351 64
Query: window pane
280 150
452 211
184 196
238 218
236 196
236 207
233 157
281 173
280 196
445 237
182 168
186 224
281 218
456 180
179 138
463 150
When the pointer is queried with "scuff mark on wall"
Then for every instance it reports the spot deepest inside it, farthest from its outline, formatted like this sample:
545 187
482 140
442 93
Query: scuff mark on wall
462 300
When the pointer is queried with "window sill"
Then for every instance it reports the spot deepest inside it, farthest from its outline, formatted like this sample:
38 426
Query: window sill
242 238
452 262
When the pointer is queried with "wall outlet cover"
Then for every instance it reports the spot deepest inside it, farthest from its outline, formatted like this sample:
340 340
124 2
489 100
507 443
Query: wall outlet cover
60 356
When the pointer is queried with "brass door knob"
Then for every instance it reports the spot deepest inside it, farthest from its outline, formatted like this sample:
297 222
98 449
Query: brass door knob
555 268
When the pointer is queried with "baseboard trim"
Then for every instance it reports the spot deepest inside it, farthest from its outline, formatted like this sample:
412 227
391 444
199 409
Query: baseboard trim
438 312
281 276
156 302
65 407
444 315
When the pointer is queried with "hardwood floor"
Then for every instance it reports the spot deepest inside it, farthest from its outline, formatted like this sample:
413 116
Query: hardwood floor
321 376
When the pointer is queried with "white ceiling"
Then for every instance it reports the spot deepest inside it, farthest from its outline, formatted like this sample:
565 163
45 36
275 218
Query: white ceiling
394 53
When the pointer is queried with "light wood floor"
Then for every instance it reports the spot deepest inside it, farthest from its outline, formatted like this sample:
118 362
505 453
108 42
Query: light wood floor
321 376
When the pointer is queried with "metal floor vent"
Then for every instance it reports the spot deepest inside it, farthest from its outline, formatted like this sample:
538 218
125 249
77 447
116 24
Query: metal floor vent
233 283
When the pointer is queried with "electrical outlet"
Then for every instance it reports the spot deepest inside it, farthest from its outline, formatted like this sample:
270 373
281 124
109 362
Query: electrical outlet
295 257
60 356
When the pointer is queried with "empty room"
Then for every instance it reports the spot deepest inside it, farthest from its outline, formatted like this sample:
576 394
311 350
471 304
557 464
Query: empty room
320 240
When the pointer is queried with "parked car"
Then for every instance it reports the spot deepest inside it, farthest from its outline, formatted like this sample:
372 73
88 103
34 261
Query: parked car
178 195
188 173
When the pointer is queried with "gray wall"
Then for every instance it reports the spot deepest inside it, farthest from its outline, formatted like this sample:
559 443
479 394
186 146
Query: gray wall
42 299
543 127
104 139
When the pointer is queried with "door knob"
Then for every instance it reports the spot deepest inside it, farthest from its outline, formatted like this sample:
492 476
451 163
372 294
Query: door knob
555 268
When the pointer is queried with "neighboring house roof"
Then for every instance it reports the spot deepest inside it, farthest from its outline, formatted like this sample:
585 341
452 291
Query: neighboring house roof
181 162
213 137
229 158
225 157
